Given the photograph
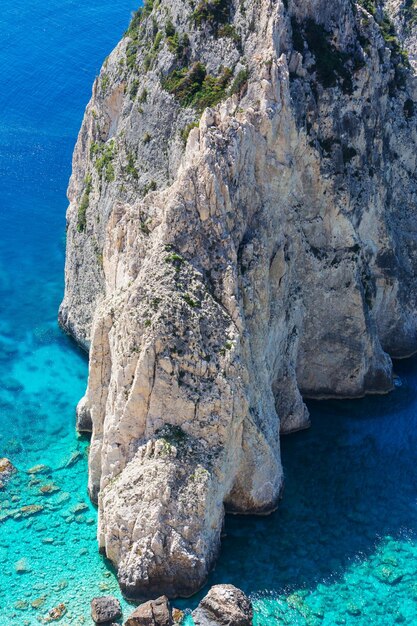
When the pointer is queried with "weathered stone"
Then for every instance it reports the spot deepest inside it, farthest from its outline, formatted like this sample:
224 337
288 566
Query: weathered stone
152 613
105 609
219 280
224 605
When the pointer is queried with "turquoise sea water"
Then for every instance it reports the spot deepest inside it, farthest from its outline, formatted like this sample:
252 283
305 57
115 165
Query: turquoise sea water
342 548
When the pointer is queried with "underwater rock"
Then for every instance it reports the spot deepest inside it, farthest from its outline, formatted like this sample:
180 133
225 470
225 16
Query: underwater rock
152 613
29 510
22 566
74 458
79 508
56 613
38 602
224 605
21 605
39 469
48 489
105 609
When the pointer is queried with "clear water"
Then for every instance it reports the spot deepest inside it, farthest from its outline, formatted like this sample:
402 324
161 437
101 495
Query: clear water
342 548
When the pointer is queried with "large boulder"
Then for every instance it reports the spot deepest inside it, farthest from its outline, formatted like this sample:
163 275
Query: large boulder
224 605
153 613
105 609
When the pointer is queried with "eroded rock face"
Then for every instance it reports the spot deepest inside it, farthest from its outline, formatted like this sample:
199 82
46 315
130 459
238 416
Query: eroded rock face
222 273
224 605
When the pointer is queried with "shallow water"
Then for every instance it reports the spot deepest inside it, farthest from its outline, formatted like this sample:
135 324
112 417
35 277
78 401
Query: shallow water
341 549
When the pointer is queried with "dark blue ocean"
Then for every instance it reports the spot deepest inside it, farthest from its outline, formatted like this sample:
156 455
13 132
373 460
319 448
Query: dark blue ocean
342 548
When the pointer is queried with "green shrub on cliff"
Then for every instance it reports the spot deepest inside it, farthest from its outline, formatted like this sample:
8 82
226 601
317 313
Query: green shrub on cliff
212 12
193 87
103 155
85 201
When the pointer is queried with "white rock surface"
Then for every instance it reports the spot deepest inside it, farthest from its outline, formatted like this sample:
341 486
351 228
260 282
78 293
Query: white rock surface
274 258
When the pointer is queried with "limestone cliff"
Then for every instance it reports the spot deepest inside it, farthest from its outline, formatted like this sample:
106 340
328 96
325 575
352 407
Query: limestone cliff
241 234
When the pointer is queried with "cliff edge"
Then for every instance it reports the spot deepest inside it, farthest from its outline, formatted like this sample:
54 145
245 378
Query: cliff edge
241 234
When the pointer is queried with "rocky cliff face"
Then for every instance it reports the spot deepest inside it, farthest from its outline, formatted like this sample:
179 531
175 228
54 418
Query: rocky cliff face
241 234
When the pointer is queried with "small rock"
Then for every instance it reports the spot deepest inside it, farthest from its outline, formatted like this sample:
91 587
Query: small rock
79 508
104 609
56 613
48 489
177 615
22 566
153 613
36 604
224 605
6 470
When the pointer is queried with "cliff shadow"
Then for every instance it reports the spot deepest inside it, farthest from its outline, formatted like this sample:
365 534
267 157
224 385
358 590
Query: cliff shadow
350 482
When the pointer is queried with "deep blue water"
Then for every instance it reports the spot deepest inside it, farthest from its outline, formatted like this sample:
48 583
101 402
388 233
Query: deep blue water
341 549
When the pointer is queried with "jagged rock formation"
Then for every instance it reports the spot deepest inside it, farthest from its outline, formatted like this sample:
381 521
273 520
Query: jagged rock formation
241 233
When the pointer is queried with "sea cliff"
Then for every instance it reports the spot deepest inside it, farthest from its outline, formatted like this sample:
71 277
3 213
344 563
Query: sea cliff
241 235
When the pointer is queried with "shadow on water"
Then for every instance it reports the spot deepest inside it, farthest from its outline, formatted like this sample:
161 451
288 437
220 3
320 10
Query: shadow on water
350 481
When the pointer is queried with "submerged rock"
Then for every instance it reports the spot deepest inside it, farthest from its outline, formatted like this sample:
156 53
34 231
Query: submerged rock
56 613
48 489
22 566
240 236
39 469
74 458
224 605
29 510
153 613
105 609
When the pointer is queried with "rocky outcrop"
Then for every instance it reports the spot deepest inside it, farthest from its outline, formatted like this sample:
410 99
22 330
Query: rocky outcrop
224 605
241 234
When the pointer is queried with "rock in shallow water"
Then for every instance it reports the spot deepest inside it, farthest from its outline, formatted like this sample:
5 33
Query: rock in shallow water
224 605
153 613
105 609
6 470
